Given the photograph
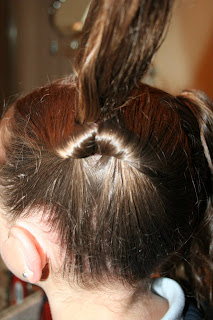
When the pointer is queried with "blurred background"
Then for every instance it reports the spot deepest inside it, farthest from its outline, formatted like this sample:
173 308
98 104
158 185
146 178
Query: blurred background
39 40
38 43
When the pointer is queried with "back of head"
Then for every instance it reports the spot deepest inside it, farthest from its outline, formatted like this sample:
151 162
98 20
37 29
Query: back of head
122 171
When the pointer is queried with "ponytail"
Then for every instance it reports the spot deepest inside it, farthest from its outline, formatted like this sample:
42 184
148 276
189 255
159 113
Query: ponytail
202 109
120 38
196 117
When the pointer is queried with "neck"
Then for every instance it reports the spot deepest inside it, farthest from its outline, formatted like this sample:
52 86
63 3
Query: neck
108 304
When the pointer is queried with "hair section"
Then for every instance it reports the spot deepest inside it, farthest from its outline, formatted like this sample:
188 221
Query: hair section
139 199
120 38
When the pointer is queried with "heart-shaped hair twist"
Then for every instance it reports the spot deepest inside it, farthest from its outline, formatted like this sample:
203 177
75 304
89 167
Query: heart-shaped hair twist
106 138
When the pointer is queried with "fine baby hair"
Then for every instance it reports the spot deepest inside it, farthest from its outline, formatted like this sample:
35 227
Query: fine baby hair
119 170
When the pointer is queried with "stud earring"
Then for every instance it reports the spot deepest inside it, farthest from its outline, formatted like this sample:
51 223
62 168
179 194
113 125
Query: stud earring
24 274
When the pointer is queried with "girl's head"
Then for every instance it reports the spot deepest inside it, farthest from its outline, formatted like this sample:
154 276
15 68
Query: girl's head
118 172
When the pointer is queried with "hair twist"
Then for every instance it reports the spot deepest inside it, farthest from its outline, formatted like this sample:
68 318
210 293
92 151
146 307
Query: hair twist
106 138
81 144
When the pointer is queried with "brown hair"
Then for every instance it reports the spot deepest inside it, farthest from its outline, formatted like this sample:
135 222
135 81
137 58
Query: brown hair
122 170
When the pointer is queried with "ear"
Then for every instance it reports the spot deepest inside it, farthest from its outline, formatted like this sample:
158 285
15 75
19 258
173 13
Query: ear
23 255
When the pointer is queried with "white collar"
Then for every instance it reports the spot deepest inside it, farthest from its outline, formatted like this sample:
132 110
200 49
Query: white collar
171 291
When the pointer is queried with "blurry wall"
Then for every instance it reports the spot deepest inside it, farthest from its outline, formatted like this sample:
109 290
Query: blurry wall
36 60
185 59
4 52
30 54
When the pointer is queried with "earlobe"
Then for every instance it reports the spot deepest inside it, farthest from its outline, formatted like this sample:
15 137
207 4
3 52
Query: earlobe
23 255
